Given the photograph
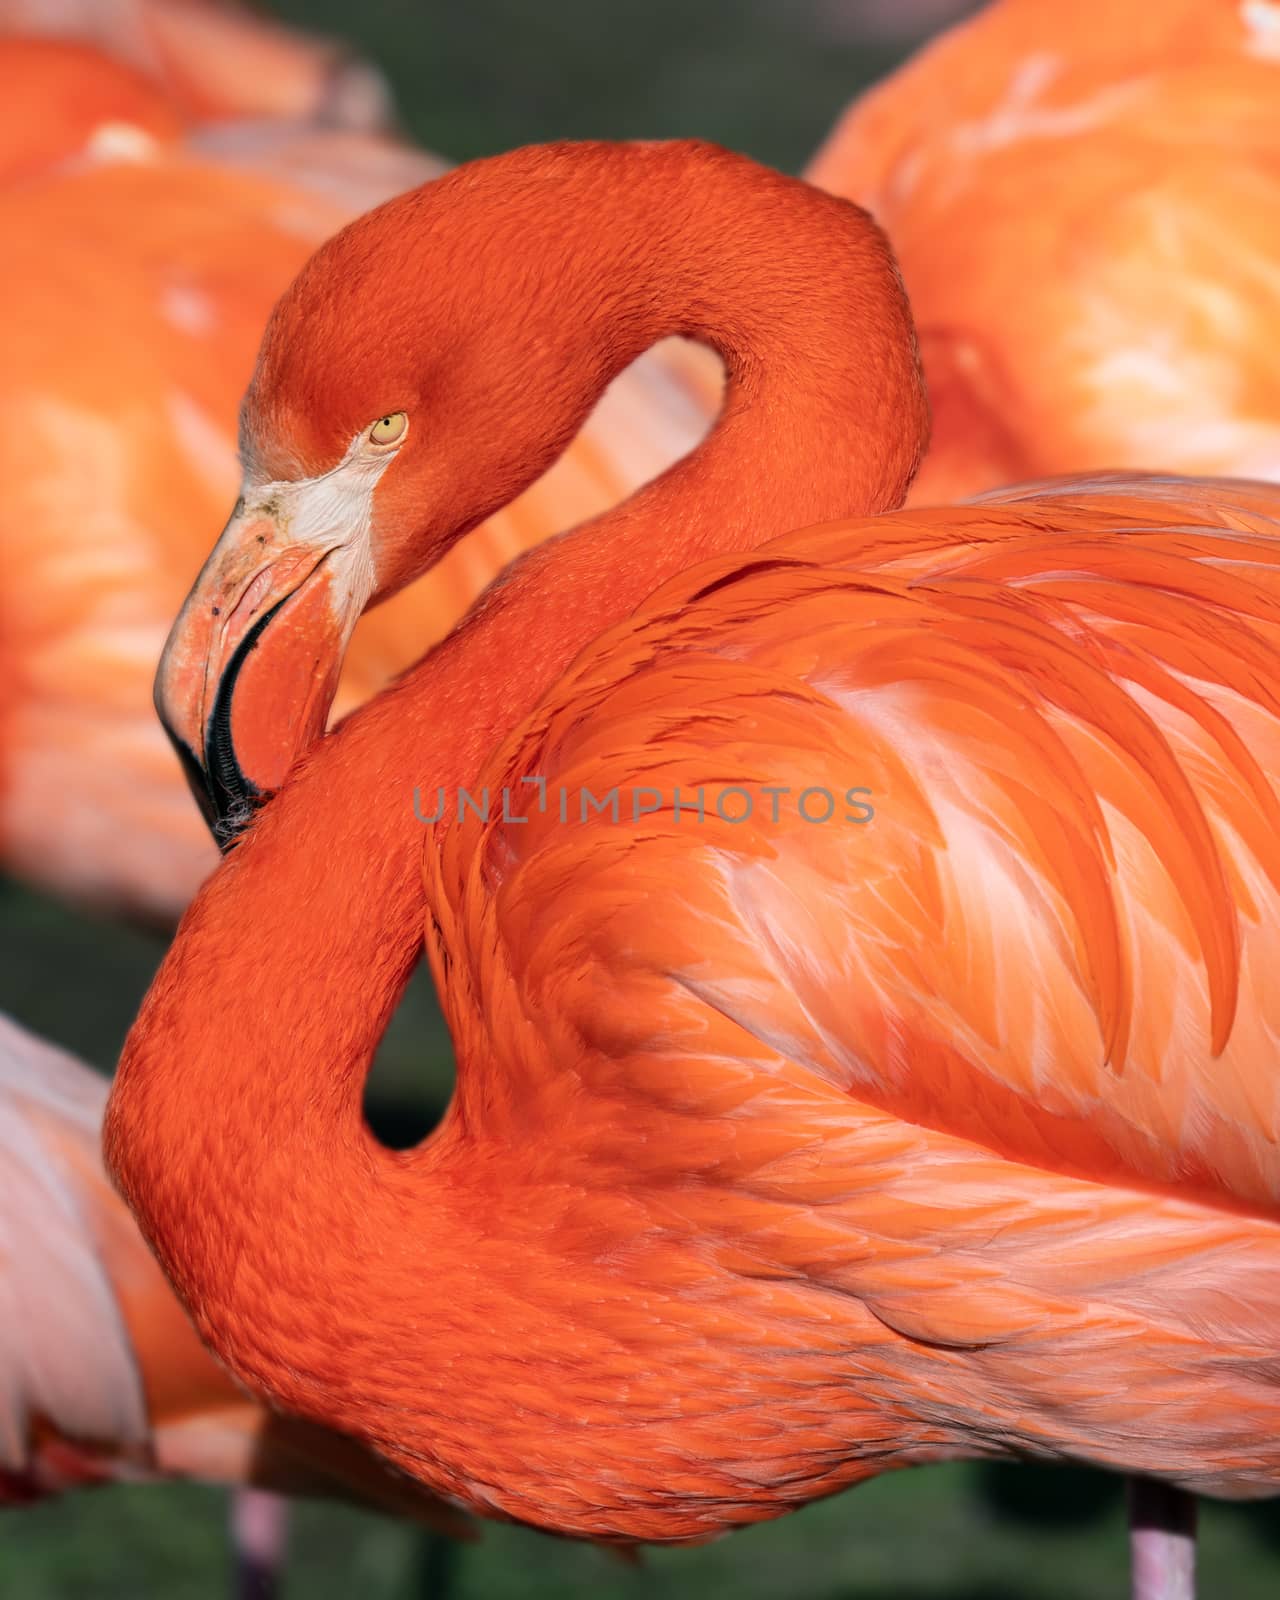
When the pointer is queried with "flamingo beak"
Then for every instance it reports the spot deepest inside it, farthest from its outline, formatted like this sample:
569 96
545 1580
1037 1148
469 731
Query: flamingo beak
251 665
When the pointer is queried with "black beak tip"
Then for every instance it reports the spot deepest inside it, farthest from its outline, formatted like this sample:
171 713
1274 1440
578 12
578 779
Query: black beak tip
227 810
227 799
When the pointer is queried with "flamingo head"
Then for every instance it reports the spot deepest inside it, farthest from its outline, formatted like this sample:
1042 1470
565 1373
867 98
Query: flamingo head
395 405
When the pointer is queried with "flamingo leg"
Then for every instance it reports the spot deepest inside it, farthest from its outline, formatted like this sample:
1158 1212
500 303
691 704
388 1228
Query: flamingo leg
259 1533
1162 1541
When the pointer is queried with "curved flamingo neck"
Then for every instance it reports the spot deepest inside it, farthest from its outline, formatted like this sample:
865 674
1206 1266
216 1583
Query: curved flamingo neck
236 1117
824 412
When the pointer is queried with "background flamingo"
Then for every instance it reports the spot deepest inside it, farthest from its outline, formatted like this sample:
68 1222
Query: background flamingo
101 1376
103 529
77 696
1084 201
774 1161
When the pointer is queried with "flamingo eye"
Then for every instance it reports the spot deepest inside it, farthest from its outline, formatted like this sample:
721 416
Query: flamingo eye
389 429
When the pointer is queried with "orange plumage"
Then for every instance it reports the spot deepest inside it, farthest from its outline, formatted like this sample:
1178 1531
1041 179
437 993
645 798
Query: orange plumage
787 1151
1083 202
950 1131
61 98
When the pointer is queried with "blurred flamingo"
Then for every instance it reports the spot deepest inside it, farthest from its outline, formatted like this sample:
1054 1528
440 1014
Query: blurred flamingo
1084 203
213 58
124 350
59 98
102 1378
781 1154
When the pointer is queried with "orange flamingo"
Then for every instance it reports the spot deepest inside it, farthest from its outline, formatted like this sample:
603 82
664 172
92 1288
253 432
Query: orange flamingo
782 1153
1084 203
128 348
103 1378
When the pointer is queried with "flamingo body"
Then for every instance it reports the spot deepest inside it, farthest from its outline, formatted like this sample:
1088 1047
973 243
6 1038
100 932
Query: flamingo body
786 1150
846 1143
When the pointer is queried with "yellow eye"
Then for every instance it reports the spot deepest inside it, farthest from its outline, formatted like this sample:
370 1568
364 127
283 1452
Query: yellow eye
389 430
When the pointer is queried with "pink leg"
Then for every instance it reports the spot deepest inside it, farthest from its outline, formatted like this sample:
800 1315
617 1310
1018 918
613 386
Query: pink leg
1162 1541
259 1533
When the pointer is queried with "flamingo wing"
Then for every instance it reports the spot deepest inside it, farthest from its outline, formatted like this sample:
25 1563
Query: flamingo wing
1054 939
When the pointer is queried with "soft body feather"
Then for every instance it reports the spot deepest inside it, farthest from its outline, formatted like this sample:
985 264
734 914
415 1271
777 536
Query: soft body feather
963 1119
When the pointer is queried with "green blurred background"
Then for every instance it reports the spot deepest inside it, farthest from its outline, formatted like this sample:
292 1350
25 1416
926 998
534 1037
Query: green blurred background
767 77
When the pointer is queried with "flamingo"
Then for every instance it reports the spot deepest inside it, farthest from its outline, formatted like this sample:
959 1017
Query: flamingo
1083 203
128 348
102 1378
781 1153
